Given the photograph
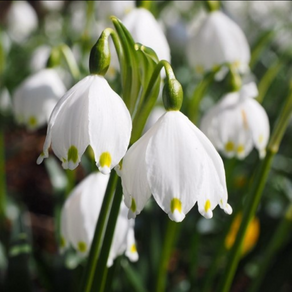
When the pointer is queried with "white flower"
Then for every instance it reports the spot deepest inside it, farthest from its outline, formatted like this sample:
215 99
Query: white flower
90 113
105 9
176 163
145 30
237 123
22 21
5 101
218 41
52 5
39 58
79 216
35 98
155 114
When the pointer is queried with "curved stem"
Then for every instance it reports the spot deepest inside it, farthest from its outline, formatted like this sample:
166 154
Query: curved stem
101 266
98 238
255 193
70 60
169 241
149 100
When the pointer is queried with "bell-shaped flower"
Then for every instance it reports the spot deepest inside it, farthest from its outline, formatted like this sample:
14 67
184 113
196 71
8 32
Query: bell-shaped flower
145 30
22 20
35 98
80 214
105 9
218 41
90 113
237 123
176 163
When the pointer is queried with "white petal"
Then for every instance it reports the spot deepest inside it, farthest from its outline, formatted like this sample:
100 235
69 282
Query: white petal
179 168
131 251
219 40
145 30
134 180
110 124
259 124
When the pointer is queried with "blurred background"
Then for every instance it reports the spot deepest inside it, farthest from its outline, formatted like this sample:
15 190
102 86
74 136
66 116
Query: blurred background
29 255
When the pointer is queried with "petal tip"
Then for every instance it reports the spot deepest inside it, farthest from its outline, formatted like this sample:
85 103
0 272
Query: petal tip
228 209
176 216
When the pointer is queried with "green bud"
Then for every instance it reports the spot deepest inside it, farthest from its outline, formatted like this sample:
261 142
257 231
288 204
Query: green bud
144 4
172 95
100 56
212 5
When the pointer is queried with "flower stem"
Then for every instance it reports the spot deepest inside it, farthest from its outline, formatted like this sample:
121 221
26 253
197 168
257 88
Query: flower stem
149 100
275 244
70 60
169 241
101 268
199 92
254 196
98 238
268 78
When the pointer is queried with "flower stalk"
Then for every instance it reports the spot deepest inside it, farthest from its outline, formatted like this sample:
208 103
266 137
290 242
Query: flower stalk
2 176
255 193
89 271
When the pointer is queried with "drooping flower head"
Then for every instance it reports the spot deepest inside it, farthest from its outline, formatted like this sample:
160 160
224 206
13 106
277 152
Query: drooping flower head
237 123
218 41
79 216
90 113
176 163
145 30
35 98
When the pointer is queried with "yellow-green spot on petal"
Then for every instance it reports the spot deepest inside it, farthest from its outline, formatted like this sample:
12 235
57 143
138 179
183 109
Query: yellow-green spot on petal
199 69
240 149
105 159
82 246
207 206
236 64
229 146
73 154
221 201
133 248
175 204
261 139
32 121
62 242
133 206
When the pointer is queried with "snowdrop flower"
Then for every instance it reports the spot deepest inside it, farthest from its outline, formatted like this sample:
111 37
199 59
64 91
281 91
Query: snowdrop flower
145 30
237 123
105 9
35 98
176 163
155 114
22 20
90 113
79 216
40 58
218 41
5 102
52 5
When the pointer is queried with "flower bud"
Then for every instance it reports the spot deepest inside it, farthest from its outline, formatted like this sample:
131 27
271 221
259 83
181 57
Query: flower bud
100 57
172 95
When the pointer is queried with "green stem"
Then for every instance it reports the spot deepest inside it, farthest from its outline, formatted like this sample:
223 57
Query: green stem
268 78
275 244
149 100
98 238
101 268
2 176
255 193
71 178
199 92
169 242
70 60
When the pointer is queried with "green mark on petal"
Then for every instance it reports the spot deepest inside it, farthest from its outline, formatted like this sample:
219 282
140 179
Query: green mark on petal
32 121
133 206
175 204
105 159
82 246
133 248
62 242
229 146
73 154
